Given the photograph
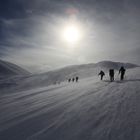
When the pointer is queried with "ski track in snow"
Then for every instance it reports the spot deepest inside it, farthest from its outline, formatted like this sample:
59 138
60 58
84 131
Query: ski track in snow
87 110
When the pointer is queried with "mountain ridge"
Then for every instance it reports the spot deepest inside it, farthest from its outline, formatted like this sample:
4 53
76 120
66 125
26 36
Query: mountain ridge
82 71
8 69
63 74
102 64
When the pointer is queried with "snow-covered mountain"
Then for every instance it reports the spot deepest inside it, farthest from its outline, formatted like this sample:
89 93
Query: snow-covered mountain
87 70
88 110
63 74
82 71
115 65
7 68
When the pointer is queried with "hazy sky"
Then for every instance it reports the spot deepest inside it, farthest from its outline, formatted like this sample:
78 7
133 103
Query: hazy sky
31 30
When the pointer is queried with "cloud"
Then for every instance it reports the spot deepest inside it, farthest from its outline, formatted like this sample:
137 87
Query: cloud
30 35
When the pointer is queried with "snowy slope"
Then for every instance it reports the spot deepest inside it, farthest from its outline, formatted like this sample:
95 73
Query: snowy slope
87 110
87 70
61 75
7 69
83 71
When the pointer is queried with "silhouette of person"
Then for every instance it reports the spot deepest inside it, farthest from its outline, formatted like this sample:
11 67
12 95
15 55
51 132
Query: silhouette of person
101 73
73 79
111 74
69 80
77 79
122 72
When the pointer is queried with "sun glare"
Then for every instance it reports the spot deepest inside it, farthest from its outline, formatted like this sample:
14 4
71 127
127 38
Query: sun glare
71 34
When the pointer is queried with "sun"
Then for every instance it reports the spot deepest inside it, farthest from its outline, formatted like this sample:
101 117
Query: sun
71 34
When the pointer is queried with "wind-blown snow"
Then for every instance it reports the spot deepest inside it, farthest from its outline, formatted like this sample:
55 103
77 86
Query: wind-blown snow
9 69
88 110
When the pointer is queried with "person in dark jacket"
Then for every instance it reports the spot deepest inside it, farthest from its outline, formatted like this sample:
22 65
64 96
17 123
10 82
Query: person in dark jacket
69 79
122 72
101 73
76 78
111 74
73 79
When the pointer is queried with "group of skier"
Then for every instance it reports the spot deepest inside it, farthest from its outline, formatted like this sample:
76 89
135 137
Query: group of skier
111 74
102 74
73 79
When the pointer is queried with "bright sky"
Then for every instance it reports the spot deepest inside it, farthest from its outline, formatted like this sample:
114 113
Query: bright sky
41 35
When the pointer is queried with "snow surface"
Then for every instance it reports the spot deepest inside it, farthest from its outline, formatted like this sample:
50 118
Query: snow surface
7 69
88 110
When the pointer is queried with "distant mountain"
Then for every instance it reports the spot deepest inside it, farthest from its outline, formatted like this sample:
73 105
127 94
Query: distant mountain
83 71
91 68
59 75
115 65
7 68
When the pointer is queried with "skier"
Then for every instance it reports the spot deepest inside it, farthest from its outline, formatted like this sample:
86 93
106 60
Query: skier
101 73
77 79
122 72
111 74
69 79
73 79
